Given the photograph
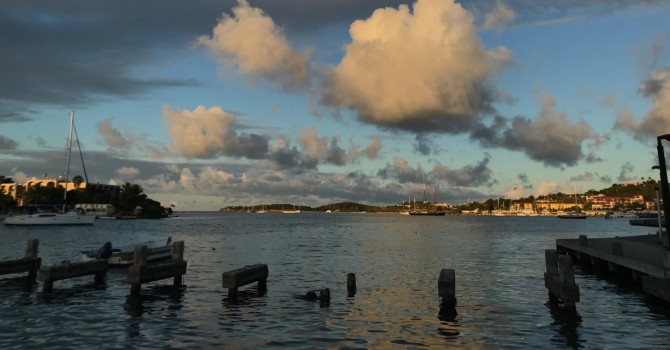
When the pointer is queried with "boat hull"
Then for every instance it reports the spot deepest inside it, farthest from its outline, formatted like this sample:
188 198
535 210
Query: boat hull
49 220
123 256
572 216
429 213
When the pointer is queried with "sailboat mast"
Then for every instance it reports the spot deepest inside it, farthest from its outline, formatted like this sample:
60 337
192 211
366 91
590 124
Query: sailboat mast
424 188
69 153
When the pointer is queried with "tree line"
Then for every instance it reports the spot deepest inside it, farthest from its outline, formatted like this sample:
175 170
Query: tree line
128 197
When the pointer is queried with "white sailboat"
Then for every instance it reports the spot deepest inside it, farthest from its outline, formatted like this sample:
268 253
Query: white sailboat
73 217
573 214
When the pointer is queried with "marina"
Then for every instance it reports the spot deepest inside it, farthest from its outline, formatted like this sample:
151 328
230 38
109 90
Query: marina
499 263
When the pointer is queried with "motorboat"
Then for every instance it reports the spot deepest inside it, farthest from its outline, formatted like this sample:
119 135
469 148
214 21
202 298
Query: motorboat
122 256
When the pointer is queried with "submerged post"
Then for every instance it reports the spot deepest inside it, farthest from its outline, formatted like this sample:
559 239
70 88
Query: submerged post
446 288
139 259
178 255
31 254
560 278
351 284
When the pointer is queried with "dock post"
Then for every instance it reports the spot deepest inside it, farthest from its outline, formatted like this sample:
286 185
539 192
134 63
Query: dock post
178 254
446 288
139 259
560 278
583 241
31 254
351 284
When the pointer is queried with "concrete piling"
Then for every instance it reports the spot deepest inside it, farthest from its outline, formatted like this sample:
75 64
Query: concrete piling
560 278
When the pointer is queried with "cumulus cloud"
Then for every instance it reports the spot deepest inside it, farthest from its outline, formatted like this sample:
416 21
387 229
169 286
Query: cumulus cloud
208 133
421 70
373 149
401 171
586 176
550 138
470 175
128 172
656 121
625 173
250 42
500 17
320 149
7 144
114 139
426 145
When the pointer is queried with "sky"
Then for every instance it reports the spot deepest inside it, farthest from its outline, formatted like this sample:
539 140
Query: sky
208 104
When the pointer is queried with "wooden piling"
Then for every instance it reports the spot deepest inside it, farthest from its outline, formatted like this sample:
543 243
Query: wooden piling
583 241
142 272
29 263
351 284
446 288
49 274
234 279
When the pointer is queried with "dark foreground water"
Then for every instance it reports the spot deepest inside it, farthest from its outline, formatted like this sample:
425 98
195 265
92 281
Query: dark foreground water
499 263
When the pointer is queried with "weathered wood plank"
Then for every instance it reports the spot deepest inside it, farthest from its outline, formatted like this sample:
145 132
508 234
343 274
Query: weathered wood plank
19 265
49 274
72 270
156 271
29 263
245 275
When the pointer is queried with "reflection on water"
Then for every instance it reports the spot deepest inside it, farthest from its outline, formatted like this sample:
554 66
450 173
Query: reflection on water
568 321
499 263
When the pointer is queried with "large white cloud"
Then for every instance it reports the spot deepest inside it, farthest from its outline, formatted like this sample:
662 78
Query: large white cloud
250 42
420 70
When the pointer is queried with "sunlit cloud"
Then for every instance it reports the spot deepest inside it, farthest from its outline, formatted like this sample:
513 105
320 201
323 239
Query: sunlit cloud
500 17
250 42
208 133
419 70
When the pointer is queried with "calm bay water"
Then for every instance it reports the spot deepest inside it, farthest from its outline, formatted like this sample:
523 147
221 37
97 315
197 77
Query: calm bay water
499 263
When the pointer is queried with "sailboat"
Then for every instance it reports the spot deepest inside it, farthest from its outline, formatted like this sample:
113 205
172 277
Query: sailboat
73 217
427 211
575 214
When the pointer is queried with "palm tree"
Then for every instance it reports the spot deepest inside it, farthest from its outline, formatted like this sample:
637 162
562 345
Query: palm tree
130 197
77 180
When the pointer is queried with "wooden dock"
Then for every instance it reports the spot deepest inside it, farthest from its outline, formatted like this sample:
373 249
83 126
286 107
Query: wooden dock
234 279
645 259
50 274
29 263
143 272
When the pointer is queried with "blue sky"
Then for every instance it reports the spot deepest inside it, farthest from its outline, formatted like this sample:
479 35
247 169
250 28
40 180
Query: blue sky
214 103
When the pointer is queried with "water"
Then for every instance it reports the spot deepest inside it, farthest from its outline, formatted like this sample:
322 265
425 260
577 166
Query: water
499 264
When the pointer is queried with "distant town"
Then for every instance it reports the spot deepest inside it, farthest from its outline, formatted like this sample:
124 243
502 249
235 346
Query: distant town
624 199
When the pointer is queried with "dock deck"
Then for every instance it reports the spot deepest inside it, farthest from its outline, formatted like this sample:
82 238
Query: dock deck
644 257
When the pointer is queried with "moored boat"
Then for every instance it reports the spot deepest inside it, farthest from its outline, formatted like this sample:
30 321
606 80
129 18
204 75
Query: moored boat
75 217
40 218
122 256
